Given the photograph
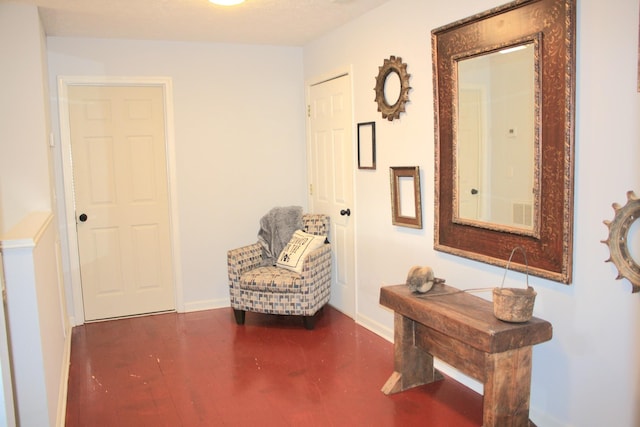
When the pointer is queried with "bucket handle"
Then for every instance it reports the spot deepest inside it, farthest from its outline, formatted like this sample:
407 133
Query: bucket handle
526 263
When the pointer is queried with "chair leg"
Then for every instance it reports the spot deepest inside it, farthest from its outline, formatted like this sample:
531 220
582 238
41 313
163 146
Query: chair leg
239 315
309 322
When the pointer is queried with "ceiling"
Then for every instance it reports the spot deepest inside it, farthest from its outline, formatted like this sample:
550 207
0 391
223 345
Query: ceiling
273 22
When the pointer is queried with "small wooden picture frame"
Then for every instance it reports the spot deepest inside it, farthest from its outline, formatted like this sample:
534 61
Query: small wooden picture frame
367 145
406 209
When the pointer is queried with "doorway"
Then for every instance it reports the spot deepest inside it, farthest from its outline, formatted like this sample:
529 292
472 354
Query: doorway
117 172
330 149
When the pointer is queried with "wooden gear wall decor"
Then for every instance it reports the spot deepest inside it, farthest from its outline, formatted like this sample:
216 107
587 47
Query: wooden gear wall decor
388 109
618 240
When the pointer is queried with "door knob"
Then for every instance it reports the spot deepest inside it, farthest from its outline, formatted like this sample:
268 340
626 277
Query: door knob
345 212
474 191
82 217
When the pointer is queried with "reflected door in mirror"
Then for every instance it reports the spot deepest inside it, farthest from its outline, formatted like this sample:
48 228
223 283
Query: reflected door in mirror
496 138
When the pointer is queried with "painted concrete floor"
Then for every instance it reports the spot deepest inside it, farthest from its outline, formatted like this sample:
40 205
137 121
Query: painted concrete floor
201 369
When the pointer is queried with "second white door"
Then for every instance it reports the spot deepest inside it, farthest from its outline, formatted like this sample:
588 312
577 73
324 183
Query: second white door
122 210
331 176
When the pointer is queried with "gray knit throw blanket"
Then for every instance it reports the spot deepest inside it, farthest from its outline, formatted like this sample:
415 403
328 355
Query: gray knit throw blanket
276 229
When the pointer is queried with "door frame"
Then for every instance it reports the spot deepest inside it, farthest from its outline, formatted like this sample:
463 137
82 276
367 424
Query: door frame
72 250
345 71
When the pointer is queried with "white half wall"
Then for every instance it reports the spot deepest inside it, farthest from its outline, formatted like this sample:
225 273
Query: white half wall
39 335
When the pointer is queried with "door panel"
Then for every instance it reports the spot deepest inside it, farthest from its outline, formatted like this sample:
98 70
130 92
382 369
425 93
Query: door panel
332 180
120 184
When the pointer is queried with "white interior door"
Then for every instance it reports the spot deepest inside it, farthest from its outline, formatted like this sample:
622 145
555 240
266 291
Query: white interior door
121 197
331 179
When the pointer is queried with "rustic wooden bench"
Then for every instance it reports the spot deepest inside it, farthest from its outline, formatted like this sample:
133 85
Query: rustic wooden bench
461 330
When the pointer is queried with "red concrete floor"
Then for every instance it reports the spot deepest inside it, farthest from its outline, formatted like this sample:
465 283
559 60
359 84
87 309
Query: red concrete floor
201 369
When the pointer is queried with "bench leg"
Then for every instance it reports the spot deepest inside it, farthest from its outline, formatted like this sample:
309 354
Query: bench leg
507 388
412 365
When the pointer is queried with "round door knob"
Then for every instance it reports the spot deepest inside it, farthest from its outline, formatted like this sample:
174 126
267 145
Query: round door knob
474 191
82 217
345 212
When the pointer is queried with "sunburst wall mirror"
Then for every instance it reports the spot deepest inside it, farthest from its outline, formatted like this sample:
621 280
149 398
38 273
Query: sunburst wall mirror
624 240
392 88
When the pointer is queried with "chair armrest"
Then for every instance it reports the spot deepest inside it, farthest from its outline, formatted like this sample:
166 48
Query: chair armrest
316 274
317 260
243 259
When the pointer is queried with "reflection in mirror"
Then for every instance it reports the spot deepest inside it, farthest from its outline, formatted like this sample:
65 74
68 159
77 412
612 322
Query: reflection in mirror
392 88
495 140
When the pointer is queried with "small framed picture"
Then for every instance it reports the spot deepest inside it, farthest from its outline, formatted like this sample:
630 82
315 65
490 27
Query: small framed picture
367 145
406 209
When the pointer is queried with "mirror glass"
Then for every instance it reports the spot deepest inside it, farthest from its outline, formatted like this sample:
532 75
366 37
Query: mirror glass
495 139
633 241
392 88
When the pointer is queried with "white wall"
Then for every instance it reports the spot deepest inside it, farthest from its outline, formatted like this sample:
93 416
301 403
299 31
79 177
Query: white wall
24 156
588 375
239 139
25 187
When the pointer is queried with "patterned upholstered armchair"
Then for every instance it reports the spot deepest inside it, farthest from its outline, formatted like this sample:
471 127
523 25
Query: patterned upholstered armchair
276 290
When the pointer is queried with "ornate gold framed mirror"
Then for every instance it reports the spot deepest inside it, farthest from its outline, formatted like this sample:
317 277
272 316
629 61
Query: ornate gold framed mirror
504 86
392 88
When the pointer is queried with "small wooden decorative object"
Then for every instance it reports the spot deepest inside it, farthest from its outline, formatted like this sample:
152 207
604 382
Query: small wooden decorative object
420 279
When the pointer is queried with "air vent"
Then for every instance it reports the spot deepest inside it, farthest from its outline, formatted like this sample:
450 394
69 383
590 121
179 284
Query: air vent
523 214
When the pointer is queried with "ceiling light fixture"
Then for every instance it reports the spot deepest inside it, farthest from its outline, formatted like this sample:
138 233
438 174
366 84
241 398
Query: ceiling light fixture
226 2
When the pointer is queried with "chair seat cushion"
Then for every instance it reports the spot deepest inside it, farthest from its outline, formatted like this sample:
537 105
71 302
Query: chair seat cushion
271 279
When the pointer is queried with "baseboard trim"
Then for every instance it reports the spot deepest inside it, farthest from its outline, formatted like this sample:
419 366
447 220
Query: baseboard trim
375 327
64 379
206 305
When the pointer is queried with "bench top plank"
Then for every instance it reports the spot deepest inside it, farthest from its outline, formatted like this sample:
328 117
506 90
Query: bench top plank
465 317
